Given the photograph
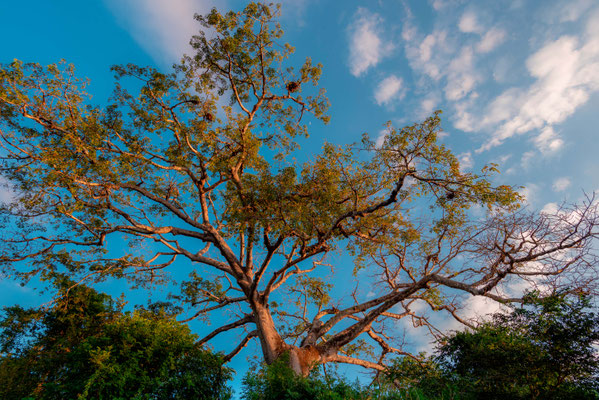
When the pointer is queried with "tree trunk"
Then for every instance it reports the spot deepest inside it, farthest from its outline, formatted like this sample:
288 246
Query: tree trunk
270 340
301 359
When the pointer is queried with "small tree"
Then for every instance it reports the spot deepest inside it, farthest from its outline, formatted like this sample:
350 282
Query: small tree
86 348
543 350
172 176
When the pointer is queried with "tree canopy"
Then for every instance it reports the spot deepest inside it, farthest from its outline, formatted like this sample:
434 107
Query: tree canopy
196 169
543 349
85 347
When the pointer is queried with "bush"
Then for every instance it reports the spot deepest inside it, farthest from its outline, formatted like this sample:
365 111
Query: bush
85 347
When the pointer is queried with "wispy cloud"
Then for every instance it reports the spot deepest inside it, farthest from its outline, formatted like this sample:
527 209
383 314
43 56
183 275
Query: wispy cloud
389 89
366 48
548 141
469 23
294 11
462 76
566 73
527 159
380 139
572 10
466 161
535 88
530 192
431 55
561 184
162 28
428 105
7 191
490 40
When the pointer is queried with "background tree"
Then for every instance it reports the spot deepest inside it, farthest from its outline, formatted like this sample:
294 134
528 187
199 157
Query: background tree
173 176
542 350
86 348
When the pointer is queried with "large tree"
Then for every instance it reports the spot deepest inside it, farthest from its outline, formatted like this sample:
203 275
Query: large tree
196 169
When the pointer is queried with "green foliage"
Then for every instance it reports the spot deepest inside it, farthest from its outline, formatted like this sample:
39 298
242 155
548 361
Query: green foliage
278 382
424 379
542 350
86 348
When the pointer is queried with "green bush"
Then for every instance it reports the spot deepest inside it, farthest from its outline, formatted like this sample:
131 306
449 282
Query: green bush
85 347
279 382
541 350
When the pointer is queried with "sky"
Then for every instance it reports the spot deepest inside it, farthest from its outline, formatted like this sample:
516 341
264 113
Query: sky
518 81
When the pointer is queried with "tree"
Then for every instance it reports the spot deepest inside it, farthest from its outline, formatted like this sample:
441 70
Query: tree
86 348
187 181
543 350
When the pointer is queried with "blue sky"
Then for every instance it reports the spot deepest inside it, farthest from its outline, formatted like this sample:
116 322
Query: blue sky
518 81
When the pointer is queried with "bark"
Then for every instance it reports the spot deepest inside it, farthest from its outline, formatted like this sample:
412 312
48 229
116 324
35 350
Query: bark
301 359
270 341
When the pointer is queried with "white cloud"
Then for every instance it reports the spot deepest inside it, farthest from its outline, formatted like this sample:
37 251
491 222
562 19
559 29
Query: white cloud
466 161
427 106
381 137
529 192
294 11
431 56
548 141
463 118
527 158
366 47
7 191
462 77
388 90
561 184
550 209
480 306
438 5
566 73
503 68
469 23
490 40
162 28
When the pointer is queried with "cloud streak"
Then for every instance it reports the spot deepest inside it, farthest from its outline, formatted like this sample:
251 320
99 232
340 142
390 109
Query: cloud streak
162 28
561 184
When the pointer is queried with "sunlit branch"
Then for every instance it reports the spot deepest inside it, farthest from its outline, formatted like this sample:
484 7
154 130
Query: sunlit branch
337 358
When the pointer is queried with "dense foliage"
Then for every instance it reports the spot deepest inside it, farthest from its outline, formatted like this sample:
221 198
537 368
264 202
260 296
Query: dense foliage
278 381
85 347
544 349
